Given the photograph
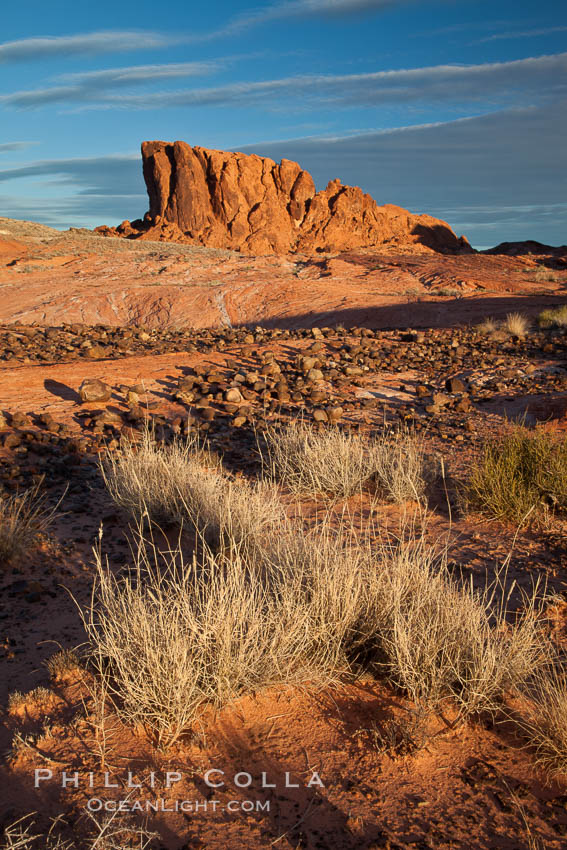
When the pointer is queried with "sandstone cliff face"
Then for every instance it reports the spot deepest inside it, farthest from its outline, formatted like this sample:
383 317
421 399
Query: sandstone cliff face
255 205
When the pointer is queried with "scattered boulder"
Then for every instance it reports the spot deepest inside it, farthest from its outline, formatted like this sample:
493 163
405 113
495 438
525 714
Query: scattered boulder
92 389
455 385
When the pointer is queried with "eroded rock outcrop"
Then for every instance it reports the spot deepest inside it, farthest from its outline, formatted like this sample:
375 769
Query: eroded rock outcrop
255 205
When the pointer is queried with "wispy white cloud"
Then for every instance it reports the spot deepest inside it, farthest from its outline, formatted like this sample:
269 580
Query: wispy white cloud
142 73
92 85
533 33
306 8
492 84
112 41
8 147
118 41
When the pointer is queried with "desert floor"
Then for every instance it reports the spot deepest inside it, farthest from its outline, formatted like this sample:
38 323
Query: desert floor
169 329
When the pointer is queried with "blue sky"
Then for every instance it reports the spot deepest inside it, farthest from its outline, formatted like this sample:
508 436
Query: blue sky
452 108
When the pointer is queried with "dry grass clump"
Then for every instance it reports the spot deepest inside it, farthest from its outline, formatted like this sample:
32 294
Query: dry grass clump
516 324
341 464
23 518
448 291
545 723
147 479
439 639
401 469
62 664
520 474
182 483
109 833
16 700
542 274
553 317
301 607
177 634
487 326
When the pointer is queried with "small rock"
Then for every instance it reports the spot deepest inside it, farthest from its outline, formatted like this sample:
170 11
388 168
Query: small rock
334 413
13 440
440 399
233 395
315 375
455 385
92 389
96 352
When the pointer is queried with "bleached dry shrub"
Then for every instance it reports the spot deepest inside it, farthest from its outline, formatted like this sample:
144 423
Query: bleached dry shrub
109 833
299 607
23 518
341 464
516 324
181 483
401 470
487 326
175 635
441 639
542 274
545 722
146 478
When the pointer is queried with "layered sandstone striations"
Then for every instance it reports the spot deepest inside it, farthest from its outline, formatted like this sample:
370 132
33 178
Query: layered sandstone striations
255 205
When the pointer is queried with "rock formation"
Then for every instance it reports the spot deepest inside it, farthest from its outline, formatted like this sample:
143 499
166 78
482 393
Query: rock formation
252 204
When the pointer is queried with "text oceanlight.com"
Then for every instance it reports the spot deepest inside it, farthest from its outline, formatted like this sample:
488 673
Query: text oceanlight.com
96 804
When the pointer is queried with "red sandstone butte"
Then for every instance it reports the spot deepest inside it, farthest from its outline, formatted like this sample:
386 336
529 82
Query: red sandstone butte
252 204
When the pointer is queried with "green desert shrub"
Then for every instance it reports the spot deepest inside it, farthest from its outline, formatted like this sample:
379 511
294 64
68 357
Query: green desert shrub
553 317
519 475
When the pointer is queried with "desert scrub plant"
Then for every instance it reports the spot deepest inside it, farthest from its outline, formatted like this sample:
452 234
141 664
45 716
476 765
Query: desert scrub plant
146 478
109 833
438 639
516 324
553 317
173 635
448 292
62 664
340 464
520 475
182 483
487 326
542 274
301 607
545 721
23 518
